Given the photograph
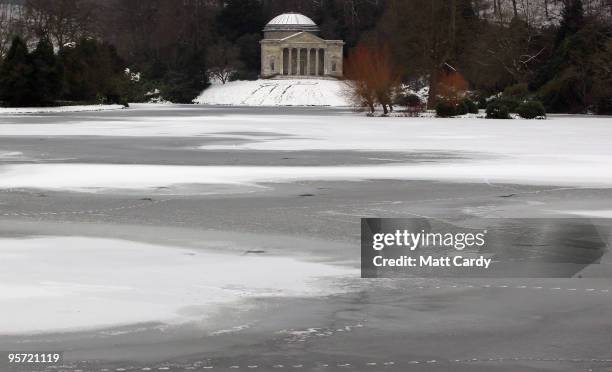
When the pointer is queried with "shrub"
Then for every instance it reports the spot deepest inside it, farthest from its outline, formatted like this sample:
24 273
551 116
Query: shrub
482 102
561 95
497 110
412 102
518 91
445 109
511 103
531 110
466 106
244 75
408 100
604 106
462 108
180 87
473 107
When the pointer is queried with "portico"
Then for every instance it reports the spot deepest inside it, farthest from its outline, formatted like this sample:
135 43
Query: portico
291 48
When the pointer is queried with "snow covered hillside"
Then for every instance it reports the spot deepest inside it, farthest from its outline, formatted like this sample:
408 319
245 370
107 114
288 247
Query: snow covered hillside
298 92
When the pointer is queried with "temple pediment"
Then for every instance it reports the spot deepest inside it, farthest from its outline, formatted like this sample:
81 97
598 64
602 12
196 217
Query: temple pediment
291 47
303 37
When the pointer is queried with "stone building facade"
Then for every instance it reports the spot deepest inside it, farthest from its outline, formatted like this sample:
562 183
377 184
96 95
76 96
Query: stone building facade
291 47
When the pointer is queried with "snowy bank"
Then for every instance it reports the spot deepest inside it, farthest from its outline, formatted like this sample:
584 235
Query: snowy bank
71 278
58 109
295 92
101 177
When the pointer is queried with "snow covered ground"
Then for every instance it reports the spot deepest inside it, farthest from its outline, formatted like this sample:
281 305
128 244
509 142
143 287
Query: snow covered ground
296 92
58 283
563 150
42 110
591 213
10 155
100 177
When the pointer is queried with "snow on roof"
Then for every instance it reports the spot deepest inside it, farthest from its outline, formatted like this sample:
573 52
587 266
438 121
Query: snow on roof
291 22
292 19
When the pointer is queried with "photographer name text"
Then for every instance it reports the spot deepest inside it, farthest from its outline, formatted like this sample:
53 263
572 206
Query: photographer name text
431 261
411 241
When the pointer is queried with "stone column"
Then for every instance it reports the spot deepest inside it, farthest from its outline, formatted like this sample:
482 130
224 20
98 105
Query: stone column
324 62
317 62
307 61
290 61
299 61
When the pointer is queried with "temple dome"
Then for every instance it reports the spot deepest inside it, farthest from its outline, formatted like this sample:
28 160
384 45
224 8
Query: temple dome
291 19
291 22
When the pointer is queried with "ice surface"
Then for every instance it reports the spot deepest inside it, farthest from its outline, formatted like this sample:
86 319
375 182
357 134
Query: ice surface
70 283
559 137
563 150
603 213
42 110
96 177
10 155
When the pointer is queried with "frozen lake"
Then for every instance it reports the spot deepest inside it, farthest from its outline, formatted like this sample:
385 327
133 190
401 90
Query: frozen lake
224 237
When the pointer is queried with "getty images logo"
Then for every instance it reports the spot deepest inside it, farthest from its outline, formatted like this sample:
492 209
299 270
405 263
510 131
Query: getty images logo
422 239
419 247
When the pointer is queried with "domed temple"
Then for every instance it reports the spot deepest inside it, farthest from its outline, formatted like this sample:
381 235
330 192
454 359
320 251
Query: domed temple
291 47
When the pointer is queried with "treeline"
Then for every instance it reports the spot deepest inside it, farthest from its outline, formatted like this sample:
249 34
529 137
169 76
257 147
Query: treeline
83 72
555 51
173 46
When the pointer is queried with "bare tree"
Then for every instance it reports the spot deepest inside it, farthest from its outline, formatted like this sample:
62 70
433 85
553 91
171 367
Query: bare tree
62 20
452 86
372 75
430 39
11 23
223 61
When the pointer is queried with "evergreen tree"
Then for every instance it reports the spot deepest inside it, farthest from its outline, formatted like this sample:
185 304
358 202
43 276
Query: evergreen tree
188 78
240 17
572 20
79 81
16 88
577 76
581 71
92 70
47 75
180 87
330 21
250 53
